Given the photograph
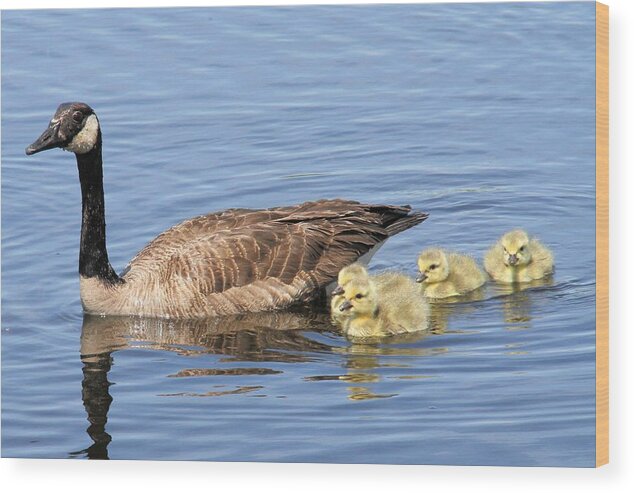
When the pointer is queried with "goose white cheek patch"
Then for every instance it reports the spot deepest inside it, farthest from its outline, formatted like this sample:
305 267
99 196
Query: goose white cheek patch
86 139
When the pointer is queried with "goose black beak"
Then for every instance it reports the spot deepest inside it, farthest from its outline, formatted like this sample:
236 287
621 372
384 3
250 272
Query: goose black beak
513 260
48 140
421 277
337 291
346 305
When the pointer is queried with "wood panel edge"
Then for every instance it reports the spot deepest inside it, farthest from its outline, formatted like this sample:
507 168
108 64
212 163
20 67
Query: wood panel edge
602 235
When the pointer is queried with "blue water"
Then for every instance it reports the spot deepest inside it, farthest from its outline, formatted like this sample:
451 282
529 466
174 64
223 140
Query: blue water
481 115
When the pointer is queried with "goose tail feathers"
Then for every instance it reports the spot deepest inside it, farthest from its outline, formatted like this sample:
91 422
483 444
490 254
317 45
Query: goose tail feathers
404 220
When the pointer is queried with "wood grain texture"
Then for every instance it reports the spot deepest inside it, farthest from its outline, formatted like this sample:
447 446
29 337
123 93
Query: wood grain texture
602 234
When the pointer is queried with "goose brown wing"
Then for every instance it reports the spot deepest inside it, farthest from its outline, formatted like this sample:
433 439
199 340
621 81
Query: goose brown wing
200 227
393 219
278 252
269 258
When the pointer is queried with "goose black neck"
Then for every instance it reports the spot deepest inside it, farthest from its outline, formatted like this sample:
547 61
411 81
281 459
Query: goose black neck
93 256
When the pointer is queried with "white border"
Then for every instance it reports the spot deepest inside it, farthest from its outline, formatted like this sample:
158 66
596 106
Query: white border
69 476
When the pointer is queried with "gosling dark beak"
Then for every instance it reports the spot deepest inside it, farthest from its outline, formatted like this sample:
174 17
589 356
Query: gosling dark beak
337 291
421 277
513 259
48 140
346 305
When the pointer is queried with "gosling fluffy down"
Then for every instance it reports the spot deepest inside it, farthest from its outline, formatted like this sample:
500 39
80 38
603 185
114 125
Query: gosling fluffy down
516 257
382 305
444 274
347 274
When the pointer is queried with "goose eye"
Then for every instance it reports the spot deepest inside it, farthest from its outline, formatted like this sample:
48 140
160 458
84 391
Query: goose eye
78 117
521 249
433 266
359 296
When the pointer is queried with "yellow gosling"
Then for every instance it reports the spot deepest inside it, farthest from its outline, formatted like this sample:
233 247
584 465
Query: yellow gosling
444 274
387 304
516 257
347 274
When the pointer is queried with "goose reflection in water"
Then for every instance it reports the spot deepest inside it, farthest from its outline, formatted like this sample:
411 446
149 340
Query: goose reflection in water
258 337
97 399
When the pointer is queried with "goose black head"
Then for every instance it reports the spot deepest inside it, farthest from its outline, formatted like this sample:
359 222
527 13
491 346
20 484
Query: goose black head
74 127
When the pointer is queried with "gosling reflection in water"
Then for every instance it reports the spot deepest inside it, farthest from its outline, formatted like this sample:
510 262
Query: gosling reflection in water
359 372
442 311
364 362
364 359
517 305
254 337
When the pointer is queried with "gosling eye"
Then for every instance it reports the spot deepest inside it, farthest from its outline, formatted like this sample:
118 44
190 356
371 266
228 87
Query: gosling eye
359 296
78 117
433 266
521 249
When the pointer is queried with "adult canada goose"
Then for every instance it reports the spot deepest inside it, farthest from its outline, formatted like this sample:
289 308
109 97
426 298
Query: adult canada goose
517 257
229 262
446 274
